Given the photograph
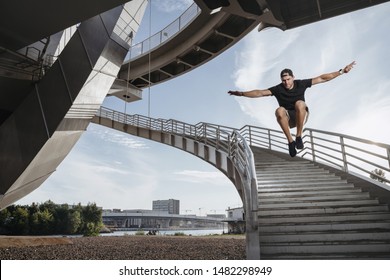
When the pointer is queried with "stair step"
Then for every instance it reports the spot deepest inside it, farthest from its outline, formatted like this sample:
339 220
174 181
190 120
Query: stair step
345 249
311 175
279 168
300 184
311 192
285 229
317 204
285 164
323 211
298 179
312 198
324 237
385 216
303 188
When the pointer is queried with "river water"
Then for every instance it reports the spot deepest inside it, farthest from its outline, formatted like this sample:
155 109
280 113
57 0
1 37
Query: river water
193 232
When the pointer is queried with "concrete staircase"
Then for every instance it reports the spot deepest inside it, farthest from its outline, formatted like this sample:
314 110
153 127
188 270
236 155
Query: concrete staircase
309 212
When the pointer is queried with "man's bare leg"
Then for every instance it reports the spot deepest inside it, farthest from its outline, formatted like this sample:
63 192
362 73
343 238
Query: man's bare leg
300 109
283 120
282 117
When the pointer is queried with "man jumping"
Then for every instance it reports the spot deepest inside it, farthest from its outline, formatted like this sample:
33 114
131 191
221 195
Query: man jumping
290 93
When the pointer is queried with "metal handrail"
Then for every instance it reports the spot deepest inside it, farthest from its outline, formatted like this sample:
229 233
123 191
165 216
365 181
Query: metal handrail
202 132
356 155
225 139
349 153
165 34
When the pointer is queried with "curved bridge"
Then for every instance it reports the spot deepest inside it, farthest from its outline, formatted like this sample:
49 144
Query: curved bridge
313 206
226 151
208 28
52 88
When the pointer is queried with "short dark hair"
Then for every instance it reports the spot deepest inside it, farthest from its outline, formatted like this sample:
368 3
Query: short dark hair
286 72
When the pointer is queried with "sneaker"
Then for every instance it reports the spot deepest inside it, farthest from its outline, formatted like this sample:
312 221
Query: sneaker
291 149
299 143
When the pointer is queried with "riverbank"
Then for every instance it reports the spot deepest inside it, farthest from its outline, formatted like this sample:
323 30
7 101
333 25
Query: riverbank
123 248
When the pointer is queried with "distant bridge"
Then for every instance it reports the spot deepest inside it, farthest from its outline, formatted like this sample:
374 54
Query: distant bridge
158 220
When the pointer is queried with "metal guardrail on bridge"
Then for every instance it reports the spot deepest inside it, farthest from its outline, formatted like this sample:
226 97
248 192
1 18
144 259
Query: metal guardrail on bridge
165 34
230 142
345 152
348 153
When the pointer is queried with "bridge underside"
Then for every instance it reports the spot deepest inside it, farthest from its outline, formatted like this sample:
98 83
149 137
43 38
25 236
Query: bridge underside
44 119
209 35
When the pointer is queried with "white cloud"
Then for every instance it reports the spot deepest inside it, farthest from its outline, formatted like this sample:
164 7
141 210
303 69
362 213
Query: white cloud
357 103
122 139
200 177
369 119
170 6
101 172
261 56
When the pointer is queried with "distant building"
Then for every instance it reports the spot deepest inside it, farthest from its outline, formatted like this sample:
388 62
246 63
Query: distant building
172 206
236 220
236 213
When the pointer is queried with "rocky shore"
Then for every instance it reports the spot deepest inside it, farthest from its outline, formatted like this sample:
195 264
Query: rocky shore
123 248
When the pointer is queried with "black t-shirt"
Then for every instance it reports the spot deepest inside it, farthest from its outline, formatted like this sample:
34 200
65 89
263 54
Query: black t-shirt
287 98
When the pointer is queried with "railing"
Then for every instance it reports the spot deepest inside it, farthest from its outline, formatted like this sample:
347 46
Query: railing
348 153
202 132
345 152
224 139
162 36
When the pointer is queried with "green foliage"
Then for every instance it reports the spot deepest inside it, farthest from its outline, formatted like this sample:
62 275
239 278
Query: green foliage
378 174
41 222
74 222
49 218
140 232
18 222
92 220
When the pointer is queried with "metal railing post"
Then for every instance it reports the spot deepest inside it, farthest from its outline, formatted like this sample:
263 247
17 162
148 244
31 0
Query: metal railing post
343 154
388 156
218 136
269 140
312 145
250 135
205 134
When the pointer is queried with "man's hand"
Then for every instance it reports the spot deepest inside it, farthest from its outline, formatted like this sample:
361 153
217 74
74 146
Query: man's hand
349 67
235 92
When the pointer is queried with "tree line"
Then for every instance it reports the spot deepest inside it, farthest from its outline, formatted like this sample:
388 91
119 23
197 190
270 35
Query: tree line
49 218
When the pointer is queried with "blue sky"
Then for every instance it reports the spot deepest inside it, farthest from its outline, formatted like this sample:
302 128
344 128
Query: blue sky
116 170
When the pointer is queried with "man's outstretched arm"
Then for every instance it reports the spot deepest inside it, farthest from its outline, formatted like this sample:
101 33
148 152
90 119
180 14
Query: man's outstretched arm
251 93
330 76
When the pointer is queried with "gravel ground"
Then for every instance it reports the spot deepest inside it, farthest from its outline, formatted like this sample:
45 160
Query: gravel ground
129 248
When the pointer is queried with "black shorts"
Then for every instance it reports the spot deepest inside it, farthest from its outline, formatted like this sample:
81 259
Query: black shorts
292 117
